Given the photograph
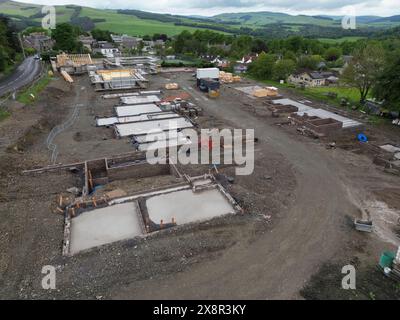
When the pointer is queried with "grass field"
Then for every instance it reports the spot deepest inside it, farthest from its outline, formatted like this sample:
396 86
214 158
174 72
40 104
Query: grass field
20 9
263 18
131 25
340 40
321 93
351 94
4 114
25 96
115 22
184 62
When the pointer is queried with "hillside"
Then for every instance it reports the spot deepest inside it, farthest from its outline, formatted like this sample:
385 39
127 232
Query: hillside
258 19
265 18
134 22
114 20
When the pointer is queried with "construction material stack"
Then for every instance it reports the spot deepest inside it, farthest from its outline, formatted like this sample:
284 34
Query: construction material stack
172 86
227 77
265 92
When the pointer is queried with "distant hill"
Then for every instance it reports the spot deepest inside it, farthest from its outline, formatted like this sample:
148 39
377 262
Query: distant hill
135 22
263 18
388 19
360 19
132 22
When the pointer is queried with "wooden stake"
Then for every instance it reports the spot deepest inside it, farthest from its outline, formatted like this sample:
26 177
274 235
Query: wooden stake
60 210
90 179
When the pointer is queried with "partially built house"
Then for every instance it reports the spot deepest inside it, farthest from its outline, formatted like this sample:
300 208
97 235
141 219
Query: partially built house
143 213
124 197
146 64
73 63
318 121
117 79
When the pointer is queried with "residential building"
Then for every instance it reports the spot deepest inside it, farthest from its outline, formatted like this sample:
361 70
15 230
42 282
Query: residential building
312 78
87 41
220 62
240 68
248 59
107 49
39 41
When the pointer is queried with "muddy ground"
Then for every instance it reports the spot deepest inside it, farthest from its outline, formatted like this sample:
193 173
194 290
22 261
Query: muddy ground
299 204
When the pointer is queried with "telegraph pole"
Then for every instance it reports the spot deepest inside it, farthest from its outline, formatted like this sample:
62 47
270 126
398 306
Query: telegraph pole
21 44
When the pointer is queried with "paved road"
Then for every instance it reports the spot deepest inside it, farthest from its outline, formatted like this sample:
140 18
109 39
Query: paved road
23 75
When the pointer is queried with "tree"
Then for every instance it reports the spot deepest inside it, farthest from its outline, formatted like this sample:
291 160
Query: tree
282 69
65 36
387 86
179 43
290 55
258 46
3 59
308 62
262 67
295 44
365 68
30 30
9 44
332 54
101 35
241 46
140 47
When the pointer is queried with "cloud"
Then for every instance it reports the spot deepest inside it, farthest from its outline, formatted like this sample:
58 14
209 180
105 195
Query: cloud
212 7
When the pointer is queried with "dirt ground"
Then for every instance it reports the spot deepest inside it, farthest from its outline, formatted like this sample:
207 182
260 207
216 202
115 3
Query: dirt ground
299 205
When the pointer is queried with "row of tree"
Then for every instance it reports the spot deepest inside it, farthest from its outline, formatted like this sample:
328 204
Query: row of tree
9 44
212 43
374 67
372 70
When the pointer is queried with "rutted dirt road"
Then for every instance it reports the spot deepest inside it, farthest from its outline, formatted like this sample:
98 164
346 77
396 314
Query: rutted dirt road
277 265
299 184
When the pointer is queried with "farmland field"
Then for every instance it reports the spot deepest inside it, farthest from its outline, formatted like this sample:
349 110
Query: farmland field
129 24
339 40
140 23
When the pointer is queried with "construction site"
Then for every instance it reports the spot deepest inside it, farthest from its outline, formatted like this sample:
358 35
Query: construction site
79 192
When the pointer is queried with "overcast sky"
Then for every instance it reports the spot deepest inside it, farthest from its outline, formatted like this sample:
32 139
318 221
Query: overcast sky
212 7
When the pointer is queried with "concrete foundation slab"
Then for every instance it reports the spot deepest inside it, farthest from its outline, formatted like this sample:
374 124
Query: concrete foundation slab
288 102
187 206
323 114
139 100
390 148
145 127
134 110
143 117
106 225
